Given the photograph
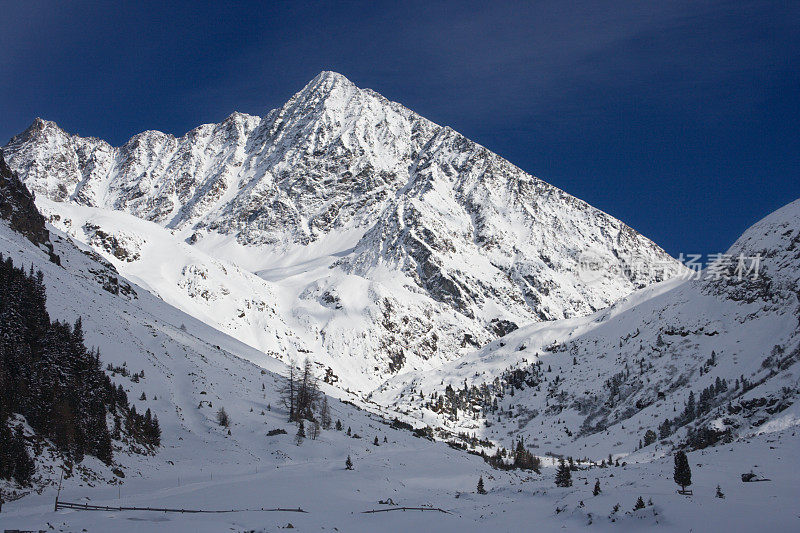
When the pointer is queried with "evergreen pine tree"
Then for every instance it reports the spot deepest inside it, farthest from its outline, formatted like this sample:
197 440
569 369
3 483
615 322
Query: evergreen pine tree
639 504
563 474
689 412
15 462
222 417
348 464
719 493
155 432
665 429
481 489
325 414
682 474
103 448
596 490
24 466
117 428
77 334
301 433
338 425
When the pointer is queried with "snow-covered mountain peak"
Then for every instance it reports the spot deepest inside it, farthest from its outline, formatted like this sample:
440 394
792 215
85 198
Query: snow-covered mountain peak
390 240
41 126
326 82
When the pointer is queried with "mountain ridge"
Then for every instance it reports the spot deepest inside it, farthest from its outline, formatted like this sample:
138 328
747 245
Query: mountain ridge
349 188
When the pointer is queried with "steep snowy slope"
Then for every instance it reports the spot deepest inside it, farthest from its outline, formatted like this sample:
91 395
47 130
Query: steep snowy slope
184 371
325 314
396 242
189 372
593 386
212 290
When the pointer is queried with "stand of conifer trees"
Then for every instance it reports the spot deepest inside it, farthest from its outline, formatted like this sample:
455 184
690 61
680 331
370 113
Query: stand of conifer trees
49 376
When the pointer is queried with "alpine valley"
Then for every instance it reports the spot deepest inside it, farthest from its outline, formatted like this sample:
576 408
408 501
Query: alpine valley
466 321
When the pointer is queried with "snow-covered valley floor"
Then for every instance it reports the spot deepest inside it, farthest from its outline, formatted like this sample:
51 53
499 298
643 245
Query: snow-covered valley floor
415 472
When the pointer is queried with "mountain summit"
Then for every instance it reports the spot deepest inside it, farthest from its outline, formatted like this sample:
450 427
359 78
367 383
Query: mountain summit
391 239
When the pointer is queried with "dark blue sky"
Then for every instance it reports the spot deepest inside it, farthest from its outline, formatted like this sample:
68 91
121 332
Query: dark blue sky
680 118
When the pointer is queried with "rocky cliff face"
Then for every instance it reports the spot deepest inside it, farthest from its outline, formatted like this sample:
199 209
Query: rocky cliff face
602 381
435 242
18 208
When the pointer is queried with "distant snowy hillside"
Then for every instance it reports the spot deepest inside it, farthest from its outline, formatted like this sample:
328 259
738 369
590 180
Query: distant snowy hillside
395 243
593 386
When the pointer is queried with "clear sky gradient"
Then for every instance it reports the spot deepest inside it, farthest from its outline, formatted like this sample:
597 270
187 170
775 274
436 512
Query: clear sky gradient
678 117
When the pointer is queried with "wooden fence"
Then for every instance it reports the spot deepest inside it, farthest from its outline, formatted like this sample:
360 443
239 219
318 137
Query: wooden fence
90 507
407 509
